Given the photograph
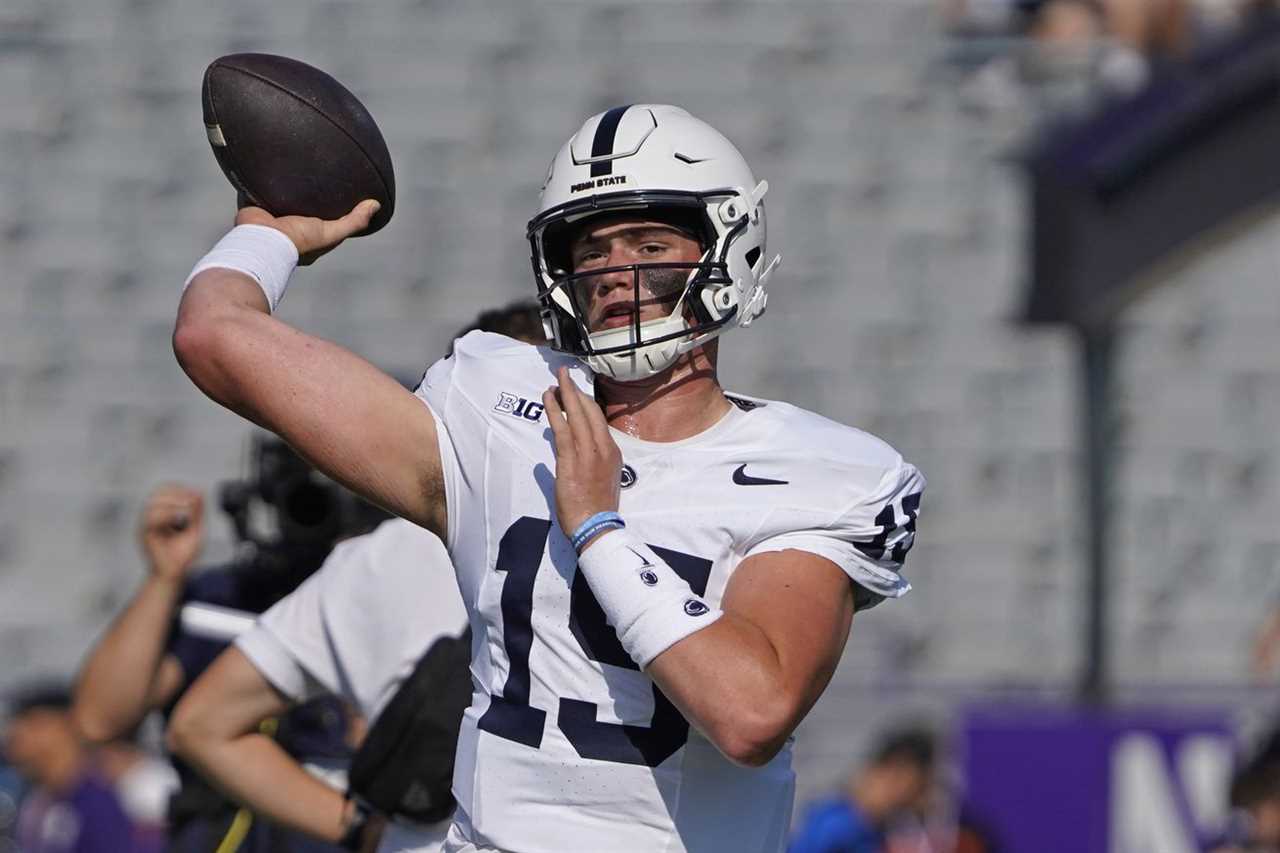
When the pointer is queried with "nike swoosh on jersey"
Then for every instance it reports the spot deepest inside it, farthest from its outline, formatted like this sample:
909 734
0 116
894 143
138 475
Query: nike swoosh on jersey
742 478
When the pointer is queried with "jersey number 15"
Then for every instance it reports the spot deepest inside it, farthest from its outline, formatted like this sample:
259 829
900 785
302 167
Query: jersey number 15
511 716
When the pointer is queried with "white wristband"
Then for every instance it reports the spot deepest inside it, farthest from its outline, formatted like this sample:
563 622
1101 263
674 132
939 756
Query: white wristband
265 254
649 606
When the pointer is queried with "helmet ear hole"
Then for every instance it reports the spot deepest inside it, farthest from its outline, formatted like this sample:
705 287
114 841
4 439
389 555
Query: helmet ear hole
713 303
702 303
752 256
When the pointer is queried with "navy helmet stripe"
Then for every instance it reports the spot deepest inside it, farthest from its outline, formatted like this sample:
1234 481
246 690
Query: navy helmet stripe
602 145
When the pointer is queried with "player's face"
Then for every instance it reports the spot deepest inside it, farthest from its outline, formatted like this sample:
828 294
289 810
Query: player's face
28 736
609 299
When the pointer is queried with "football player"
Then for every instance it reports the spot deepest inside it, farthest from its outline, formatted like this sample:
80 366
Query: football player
353 629
660 576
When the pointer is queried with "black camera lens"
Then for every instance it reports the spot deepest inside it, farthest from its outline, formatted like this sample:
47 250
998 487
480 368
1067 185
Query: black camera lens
234 496
305 505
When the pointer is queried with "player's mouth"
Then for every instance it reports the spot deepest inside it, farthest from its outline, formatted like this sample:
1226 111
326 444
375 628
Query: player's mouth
616 315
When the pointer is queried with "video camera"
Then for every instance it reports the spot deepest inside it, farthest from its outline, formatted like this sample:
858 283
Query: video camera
287 513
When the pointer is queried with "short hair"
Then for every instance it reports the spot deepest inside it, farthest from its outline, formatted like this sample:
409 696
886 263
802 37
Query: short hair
41 696
1257 777
520 319
917 746
1255 783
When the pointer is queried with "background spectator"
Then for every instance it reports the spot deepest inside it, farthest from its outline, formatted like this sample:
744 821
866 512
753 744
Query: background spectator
1255 795
143 781
895 780
70 807
1118 44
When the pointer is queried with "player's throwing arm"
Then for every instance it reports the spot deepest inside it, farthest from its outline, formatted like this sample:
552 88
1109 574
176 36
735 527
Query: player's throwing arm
342 414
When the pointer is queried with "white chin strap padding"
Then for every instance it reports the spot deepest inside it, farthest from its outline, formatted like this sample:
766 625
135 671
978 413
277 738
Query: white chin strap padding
643 361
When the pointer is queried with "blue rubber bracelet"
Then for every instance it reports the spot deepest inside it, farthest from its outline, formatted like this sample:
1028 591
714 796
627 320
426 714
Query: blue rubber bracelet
593 525
592 531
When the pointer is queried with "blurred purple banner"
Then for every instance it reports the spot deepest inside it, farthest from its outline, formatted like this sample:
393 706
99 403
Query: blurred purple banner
1065 780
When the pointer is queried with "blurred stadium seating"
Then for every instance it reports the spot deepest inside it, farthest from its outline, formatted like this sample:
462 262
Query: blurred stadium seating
902 219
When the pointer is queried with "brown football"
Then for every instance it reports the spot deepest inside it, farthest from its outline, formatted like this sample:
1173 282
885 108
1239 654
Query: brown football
293 140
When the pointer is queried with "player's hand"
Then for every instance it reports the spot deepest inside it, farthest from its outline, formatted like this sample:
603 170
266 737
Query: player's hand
312 236
172 530
588 461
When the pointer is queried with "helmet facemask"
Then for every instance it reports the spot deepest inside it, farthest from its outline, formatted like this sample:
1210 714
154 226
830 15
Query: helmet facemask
698 299
661 314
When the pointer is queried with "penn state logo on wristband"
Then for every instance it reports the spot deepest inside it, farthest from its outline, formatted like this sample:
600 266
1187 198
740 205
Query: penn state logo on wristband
694 607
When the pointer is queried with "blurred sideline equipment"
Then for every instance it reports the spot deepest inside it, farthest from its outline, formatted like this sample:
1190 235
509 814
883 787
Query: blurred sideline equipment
405 765
286 515
287 518
288 512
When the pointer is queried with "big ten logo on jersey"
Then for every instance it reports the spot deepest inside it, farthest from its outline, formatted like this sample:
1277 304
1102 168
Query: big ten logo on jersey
518 407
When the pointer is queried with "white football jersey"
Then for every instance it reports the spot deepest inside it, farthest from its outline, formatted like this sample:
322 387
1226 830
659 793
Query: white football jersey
567 744
357 627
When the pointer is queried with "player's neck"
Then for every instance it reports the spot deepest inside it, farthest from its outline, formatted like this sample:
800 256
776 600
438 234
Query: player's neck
676 404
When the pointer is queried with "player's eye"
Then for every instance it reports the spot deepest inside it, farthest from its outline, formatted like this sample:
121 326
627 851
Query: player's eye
588 259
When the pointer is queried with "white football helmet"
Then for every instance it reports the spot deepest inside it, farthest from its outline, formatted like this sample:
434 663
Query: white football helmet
668 166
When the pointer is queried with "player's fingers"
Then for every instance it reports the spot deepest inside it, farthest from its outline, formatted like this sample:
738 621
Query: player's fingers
166 499
596 423
190 517
169 518
571 402
162 508
197 508
174 491
595 419
559 427
250 215
169 504
353 223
